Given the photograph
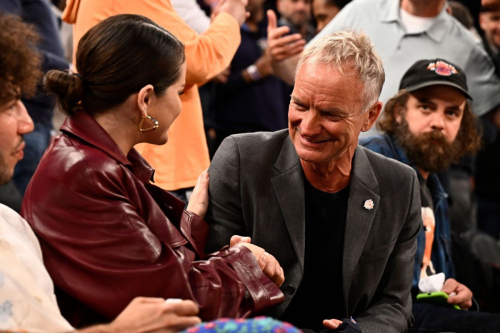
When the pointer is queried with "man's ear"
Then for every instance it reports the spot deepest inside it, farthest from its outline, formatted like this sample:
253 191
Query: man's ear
372 116
144 99
482 21
398 112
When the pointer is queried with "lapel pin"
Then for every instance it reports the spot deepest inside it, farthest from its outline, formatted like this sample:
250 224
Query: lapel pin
369 204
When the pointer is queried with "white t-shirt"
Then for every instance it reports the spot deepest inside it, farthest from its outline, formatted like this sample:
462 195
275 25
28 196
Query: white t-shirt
415 24
192 14
27 300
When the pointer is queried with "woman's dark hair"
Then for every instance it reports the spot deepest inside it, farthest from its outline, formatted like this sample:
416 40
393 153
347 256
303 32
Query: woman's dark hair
468 139
20 62
115 59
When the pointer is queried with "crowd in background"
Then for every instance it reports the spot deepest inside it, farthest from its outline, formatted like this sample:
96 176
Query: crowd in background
236 89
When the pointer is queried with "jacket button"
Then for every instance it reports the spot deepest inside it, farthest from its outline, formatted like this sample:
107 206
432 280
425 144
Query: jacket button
290 289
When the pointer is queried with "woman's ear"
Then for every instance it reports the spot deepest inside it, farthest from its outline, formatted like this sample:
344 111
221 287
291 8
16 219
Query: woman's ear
144 98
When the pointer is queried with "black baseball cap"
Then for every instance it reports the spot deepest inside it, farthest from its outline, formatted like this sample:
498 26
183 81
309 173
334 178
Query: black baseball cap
426 73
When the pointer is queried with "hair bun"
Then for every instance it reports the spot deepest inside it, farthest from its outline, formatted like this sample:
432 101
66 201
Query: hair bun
67 87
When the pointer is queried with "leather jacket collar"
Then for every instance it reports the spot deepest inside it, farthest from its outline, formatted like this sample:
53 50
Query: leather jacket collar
83 126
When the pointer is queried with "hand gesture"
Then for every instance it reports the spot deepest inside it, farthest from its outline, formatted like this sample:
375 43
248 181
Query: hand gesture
198 203
459 294
282 47
154 315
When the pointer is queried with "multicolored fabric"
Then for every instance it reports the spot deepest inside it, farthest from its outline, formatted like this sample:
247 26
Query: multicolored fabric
255 325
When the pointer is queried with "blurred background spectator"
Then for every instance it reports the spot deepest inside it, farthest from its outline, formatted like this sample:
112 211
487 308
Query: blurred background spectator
296 14
40 108
251 98
488 159
324 11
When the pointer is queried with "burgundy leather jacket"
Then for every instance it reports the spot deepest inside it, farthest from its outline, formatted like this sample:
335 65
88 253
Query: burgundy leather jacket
109 235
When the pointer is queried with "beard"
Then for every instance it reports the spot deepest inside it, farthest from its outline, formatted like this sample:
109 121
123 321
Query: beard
5 173
430 151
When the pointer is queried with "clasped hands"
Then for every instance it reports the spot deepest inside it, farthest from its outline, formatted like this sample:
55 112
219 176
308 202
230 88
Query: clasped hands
198 204
267 262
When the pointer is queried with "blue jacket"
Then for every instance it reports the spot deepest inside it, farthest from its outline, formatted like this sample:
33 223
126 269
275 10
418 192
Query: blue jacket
441 249
40 15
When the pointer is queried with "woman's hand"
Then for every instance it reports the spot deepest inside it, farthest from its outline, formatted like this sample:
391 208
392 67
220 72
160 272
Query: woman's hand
198 203
154 315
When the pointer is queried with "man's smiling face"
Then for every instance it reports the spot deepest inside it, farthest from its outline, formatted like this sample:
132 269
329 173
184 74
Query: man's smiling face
325 114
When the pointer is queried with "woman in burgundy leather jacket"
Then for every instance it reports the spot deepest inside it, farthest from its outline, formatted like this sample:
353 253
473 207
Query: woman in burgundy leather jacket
107 233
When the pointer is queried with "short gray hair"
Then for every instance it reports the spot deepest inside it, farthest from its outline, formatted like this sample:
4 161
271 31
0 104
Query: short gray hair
349 49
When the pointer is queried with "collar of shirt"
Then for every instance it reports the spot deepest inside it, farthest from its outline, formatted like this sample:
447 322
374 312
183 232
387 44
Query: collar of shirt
436 32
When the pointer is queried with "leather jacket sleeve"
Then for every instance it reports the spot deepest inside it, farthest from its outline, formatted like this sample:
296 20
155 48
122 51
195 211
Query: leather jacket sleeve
106 240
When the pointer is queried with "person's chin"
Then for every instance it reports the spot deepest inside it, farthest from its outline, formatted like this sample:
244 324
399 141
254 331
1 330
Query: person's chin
309 155
161 141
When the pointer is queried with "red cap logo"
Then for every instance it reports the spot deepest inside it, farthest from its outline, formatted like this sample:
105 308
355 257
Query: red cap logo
442 68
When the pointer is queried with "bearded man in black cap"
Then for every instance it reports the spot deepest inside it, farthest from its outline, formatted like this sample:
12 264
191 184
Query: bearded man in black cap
429 125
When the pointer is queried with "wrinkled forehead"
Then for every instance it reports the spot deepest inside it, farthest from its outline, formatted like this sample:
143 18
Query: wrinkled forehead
321 73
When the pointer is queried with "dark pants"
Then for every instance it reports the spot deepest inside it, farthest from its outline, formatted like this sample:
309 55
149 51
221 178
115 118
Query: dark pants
433 318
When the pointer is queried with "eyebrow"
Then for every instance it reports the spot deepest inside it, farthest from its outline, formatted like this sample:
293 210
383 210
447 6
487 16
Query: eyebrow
296 100
425 100
428 101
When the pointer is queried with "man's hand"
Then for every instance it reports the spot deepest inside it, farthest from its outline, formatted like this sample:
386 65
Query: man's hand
154 315
198 202
235 8
263 64
239 239
267 262
462 295
223 76
282 47
332 324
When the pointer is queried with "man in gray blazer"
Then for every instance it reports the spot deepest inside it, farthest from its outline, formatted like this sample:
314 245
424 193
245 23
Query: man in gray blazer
341 220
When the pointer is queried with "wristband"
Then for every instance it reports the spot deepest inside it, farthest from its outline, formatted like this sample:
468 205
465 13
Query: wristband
254 73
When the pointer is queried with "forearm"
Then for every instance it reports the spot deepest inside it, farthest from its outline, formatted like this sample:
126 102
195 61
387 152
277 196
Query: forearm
97 329
212 52
258 292
285 69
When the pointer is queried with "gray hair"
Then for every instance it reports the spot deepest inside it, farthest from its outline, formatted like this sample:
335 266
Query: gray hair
348 49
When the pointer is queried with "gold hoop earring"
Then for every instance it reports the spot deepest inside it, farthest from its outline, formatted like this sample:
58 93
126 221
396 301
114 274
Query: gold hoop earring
152 128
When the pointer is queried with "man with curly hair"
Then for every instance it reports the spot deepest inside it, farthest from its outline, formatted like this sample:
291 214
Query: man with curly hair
429 125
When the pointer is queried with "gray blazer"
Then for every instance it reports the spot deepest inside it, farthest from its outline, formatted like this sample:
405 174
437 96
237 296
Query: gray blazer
257 190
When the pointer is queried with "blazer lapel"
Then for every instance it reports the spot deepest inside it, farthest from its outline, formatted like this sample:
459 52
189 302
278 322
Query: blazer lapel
289 190
363 187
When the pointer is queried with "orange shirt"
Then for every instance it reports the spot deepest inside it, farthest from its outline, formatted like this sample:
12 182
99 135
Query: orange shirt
185 156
